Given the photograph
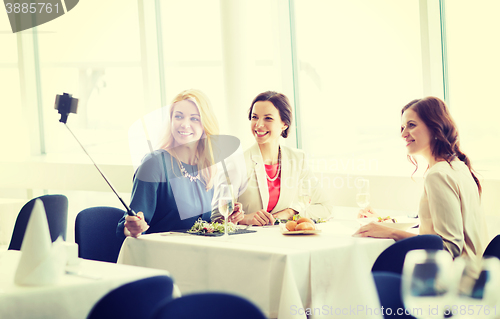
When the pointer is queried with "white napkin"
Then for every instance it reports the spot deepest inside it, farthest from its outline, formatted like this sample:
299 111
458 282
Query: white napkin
41 262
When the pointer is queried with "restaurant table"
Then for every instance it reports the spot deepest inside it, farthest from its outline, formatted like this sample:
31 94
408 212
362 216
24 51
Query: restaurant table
326 275
73 296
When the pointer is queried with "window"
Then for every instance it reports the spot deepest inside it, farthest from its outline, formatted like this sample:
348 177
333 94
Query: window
98 60
360 62
13 129
474 66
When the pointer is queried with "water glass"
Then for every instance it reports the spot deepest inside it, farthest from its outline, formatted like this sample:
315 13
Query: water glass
305 193
363 192
478 288
427 282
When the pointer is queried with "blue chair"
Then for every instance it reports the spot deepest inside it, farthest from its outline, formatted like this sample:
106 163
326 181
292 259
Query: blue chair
209 306
56 208
393 257
95 233
137 299
389 293
493 248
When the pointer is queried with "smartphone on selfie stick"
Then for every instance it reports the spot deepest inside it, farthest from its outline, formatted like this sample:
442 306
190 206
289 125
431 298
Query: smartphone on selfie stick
66 104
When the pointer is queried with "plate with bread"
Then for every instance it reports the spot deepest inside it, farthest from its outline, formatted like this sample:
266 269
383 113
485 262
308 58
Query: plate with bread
301 226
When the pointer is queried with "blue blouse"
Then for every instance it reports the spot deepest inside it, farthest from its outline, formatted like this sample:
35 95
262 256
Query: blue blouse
168 200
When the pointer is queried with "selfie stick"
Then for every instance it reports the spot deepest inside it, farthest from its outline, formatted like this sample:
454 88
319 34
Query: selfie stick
65 104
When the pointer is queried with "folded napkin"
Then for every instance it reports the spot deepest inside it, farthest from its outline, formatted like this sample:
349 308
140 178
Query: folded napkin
41 262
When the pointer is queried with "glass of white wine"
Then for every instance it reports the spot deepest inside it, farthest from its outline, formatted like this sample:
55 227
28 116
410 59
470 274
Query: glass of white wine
305 193
226 204
427 282
363 192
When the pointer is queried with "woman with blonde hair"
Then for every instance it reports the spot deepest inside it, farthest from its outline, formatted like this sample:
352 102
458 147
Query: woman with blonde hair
173 186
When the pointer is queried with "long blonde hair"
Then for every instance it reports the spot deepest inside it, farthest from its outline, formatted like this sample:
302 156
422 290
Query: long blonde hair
204 152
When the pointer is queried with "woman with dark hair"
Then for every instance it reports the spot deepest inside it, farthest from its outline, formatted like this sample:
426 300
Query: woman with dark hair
267 186
451 203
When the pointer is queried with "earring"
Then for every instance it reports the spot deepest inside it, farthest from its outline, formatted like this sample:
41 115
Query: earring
435 138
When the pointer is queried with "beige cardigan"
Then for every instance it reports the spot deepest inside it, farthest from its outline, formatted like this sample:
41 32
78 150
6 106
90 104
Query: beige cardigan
451 208
248 177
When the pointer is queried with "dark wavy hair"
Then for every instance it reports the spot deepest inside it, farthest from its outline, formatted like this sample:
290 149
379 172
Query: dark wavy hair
281 102
445 144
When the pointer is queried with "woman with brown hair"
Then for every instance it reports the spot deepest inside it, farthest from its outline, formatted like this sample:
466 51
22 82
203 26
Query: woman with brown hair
451 203
268 180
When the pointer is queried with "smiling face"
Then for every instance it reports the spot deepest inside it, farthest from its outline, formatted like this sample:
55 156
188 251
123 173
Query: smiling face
266 123
416 134
186 123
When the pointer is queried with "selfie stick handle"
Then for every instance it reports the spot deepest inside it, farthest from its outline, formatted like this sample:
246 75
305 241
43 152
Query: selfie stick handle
130 212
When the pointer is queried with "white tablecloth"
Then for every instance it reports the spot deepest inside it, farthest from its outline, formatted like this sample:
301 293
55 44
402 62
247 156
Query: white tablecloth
72 297
326 275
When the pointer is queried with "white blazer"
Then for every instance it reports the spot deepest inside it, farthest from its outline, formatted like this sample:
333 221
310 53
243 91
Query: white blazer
247 174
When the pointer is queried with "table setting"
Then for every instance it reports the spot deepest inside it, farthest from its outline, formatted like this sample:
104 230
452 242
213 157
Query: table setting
288 276
48 280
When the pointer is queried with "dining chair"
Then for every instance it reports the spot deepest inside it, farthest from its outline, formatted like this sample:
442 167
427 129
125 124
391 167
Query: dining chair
393 257
95 233
493 248
56 209
209 306
388 286
137 299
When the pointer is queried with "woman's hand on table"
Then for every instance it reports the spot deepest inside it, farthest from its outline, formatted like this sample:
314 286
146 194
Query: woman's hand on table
286 213
367 212
379 230
259 218
238 214
135 225
374 229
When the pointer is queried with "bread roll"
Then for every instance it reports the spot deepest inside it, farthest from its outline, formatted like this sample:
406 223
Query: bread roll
305 226
304 220
290 225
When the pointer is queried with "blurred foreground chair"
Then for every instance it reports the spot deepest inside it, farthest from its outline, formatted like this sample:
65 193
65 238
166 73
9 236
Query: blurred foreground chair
493 248
389 293
209 306
393 257
137 299
95 233
56 208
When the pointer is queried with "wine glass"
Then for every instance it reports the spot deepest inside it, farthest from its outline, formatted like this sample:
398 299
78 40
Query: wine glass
305 193
478 288
427 282
226 204
363 193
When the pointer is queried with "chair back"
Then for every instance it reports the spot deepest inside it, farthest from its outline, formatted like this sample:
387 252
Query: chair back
95 233
137 299
56 209
493 248
209 306
389 293
393 257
